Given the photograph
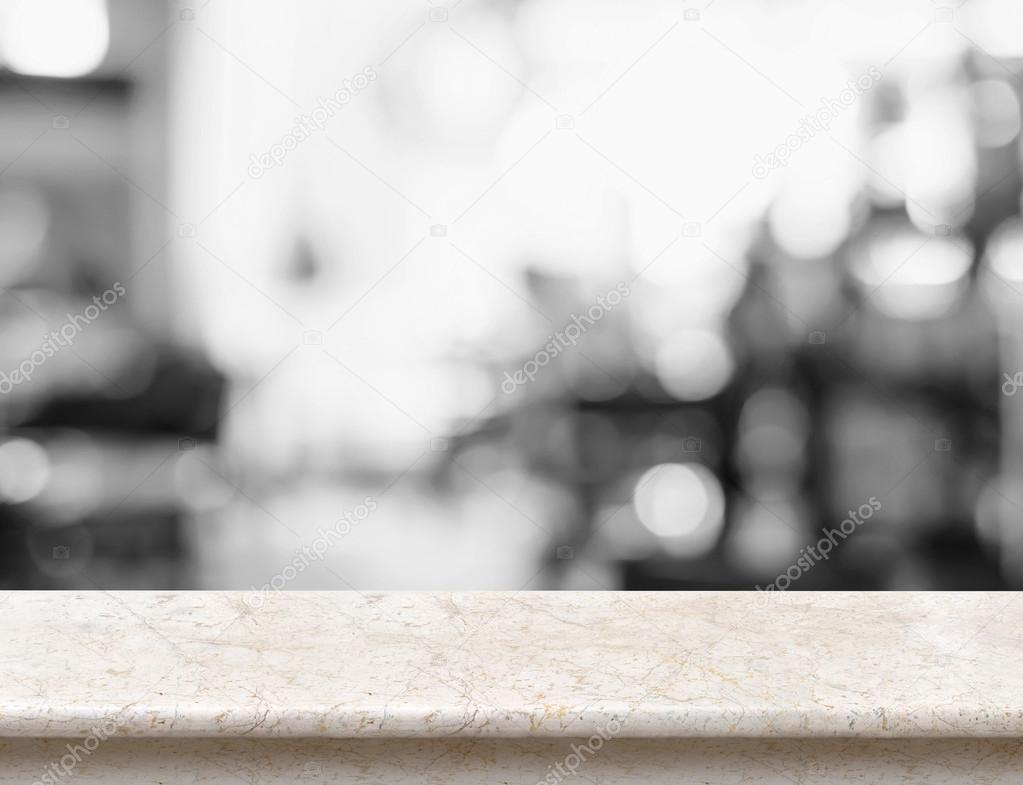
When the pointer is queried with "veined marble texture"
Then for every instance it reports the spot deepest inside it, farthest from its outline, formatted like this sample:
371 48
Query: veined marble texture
513 762
569 665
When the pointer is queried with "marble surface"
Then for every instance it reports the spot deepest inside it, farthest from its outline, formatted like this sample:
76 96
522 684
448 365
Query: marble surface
232 761
570 665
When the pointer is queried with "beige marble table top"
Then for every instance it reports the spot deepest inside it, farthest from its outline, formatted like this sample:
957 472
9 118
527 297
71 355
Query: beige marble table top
325 664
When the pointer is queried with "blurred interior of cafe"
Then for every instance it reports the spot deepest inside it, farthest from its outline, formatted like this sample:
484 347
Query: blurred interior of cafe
318 295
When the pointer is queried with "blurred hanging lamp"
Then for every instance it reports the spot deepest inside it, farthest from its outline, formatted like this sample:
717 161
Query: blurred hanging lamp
54 38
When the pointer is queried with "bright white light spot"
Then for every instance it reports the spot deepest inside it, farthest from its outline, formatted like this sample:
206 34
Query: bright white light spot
24 470
942 164
928 161
62 38
1005 250
694 364
811 220
683 504
914 277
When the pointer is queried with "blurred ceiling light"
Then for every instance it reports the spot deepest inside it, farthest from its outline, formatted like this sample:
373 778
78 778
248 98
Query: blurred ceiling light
683 504
1004 252
910 276
938 131
693 365
24 470
996 112
810 220
58 38
24 222
1003 272
904 160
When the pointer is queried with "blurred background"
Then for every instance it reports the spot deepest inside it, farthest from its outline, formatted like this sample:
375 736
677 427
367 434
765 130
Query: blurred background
510 294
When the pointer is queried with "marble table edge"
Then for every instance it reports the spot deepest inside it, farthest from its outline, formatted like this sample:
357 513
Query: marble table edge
483 722
337 704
